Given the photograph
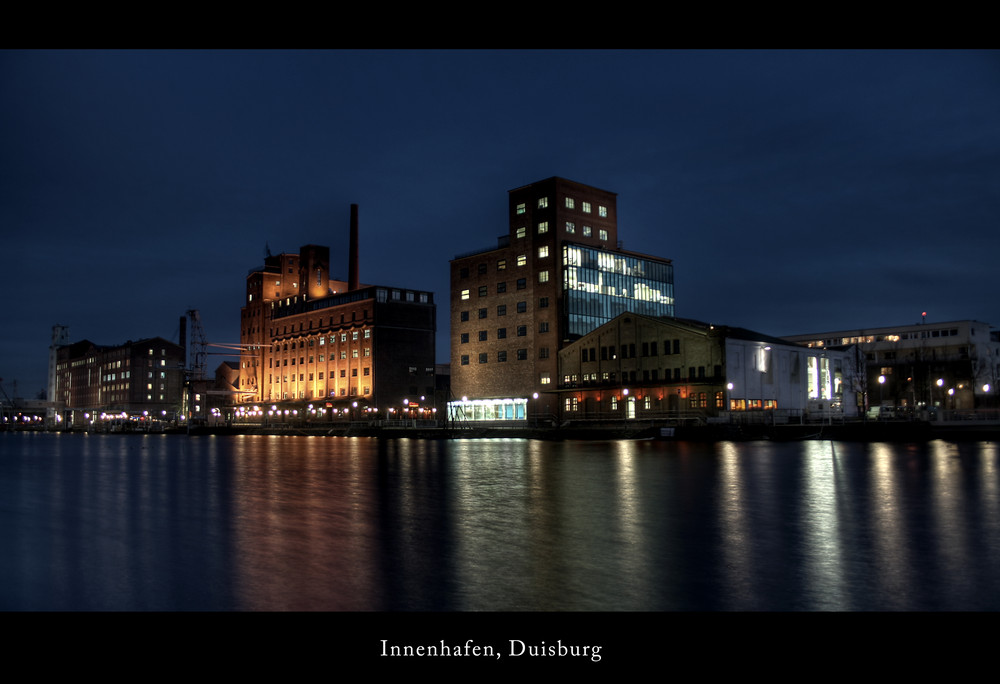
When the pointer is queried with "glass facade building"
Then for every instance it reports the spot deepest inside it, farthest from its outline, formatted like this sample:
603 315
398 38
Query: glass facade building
599 285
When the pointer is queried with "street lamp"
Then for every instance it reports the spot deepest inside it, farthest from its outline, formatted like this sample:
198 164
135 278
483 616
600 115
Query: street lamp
881 383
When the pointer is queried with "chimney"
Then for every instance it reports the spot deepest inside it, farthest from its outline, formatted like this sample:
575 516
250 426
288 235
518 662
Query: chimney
352 276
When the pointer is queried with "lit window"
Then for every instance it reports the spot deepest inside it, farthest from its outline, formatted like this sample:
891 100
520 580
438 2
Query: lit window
522 259
368 334
354 335
604 234
585 206
521 232
602 211
569 203
465 294
545 379
543 252
502 265
543 276
520 208
543 227
543 202
586 231
570 227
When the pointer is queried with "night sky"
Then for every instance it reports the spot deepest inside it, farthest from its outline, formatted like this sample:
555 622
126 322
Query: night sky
796 192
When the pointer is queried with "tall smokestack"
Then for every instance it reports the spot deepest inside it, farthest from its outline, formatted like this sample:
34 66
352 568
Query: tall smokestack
352 276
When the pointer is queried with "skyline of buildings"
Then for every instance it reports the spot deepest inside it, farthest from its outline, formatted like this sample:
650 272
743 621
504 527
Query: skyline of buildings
516 311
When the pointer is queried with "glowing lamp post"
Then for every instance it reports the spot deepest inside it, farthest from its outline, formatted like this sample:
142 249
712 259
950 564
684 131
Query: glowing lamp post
881 384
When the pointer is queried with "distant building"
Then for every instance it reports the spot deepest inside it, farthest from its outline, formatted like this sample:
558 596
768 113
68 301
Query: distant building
308 339
680 370
557 274
954 364
136 380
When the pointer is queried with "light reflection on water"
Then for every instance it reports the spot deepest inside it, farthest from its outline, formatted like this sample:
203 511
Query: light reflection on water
349 524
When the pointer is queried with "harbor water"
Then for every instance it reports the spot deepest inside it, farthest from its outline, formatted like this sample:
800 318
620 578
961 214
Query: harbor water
295 523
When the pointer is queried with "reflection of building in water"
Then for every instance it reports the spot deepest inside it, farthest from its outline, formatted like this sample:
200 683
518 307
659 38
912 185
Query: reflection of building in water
953 364
636 367
557 274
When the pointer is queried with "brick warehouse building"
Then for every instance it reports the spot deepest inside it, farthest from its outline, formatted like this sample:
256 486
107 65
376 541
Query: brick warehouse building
142 378
307 338
559 273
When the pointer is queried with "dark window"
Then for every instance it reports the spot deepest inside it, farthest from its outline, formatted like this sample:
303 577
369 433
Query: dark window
463 273
522 283
501 310
464 316
482 269
543 303
482 313
501 287
501 356
465 359
522 330
465 338
522 307
501 333
543 327
483 290
482 336
522 354
677 346
543 352
483 358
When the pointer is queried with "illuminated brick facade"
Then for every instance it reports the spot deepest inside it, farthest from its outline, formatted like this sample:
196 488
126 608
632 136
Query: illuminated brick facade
306 337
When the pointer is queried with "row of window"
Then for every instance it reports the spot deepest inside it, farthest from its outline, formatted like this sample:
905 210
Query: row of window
569 227
343 373
501 356
627 351
273 363
653 374
569 203
522 307
522 331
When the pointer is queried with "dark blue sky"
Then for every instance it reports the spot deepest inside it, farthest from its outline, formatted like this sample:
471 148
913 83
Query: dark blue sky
795 191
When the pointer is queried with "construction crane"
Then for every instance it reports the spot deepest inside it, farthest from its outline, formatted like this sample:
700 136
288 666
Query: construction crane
198 345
